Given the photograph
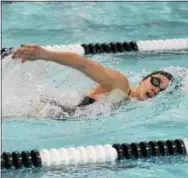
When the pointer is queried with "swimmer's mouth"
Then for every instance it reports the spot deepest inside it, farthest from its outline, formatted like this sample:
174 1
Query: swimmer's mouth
149 95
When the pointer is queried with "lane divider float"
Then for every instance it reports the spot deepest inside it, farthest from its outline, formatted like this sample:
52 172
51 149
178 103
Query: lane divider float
116 47
93 154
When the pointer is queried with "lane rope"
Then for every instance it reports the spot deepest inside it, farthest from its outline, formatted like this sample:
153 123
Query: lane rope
116 47
93 154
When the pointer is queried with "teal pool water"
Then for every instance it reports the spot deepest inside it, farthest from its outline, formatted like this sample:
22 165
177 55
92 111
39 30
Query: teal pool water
50 23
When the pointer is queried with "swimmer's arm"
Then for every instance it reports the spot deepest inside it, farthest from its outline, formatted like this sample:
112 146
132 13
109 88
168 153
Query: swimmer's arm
109 78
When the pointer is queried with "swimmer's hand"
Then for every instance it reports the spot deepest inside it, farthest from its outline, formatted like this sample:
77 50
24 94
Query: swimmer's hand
29 53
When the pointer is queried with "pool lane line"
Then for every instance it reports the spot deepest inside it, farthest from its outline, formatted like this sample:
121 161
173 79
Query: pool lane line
116 47
93 154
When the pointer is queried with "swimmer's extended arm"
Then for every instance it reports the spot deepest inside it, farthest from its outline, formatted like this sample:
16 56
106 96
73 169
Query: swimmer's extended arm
90 68
108 78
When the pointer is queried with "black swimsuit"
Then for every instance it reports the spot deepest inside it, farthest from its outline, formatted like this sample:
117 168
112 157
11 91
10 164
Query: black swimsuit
71 110
86 101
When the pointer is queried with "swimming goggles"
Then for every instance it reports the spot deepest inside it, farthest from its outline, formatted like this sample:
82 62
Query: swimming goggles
155 81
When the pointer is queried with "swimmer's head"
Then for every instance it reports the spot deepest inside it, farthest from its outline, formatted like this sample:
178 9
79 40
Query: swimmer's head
153 84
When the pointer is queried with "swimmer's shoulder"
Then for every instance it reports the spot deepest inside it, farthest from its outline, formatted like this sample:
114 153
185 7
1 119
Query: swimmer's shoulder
120 82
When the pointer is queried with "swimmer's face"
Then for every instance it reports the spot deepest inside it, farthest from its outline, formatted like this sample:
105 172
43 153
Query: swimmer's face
151 86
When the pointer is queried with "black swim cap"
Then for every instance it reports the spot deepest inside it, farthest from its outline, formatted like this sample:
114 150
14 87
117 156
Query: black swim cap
168 75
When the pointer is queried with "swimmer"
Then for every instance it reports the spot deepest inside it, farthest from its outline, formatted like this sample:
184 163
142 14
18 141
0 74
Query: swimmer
107 80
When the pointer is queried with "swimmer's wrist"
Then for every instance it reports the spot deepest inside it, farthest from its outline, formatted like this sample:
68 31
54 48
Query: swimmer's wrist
45 55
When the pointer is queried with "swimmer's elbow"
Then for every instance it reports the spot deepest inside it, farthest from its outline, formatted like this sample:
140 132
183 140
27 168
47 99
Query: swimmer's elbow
98 73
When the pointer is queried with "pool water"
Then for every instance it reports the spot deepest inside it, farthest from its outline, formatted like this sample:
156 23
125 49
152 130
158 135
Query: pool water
55 23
